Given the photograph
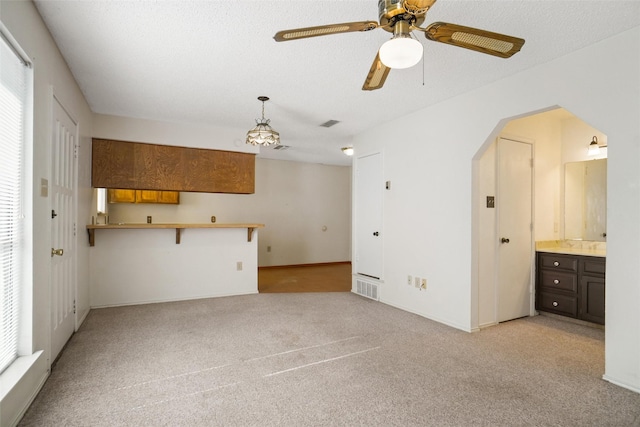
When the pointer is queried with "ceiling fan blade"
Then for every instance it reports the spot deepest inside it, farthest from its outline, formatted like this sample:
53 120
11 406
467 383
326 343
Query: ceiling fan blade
472 38
324 30
377 75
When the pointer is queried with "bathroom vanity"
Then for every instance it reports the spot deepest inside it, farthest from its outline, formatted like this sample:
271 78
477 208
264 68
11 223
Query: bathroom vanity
571 282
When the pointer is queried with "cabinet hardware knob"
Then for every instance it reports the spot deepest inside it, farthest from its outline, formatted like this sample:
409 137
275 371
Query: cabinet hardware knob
504 240
375 233
556 263
556 281
555 303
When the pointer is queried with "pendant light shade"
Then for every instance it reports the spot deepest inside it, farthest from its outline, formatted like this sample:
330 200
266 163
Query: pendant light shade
401 51
262 133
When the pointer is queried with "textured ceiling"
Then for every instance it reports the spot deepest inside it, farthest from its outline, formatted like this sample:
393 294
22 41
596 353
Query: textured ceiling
208 61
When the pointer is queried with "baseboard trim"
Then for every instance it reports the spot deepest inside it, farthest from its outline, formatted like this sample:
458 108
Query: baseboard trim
621 384
433 318
124 304
318 264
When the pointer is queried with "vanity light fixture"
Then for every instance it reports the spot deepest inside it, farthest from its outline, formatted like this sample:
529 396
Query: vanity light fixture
263 134
594 147
348 151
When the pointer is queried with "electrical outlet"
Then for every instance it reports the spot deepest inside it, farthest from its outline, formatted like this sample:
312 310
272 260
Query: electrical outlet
409 280
417 282
239 265
423 284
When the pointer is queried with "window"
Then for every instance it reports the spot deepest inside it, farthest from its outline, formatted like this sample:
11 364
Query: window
13 98
101 195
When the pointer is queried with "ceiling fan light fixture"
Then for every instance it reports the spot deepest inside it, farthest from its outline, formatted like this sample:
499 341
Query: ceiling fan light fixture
402 51
262 133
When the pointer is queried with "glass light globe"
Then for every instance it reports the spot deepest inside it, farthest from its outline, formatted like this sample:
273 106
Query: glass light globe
401 52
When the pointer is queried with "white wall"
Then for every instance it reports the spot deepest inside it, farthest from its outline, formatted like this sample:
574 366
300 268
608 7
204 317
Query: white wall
143 266
294 200
51 76
438 234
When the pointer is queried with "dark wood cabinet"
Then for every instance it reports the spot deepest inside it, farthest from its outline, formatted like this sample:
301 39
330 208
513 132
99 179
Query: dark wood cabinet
571 285
134 165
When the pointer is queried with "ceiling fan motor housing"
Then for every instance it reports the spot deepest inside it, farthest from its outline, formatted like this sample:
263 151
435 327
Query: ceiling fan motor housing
391 11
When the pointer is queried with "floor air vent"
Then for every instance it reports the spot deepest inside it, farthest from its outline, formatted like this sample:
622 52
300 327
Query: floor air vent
366 289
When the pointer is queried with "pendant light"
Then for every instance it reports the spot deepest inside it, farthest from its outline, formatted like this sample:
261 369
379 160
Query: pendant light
263 134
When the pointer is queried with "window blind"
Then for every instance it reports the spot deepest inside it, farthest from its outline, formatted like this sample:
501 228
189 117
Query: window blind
13 97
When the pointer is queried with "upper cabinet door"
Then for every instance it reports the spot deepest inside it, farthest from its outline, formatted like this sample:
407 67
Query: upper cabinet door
115 195
121 164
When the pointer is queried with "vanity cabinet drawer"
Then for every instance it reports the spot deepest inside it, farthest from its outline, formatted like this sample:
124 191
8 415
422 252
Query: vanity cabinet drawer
559 304
559 281
593 267
558 262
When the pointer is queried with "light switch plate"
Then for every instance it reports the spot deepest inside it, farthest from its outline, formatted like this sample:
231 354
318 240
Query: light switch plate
44 187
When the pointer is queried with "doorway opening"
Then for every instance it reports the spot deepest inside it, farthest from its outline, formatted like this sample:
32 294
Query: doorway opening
558 139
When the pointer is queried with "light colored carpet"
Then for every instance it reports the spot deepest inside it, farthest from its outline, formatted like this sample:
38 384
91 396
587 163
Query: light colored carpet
325 359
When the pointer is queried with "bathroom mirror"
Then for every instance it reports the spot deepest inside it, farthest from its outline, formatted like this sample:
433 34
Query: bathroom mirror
585 200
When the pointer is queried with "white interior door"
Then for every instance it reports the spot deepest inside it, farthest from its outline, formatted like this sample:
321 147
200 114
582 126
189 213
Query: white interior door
63 251
369 215
515 229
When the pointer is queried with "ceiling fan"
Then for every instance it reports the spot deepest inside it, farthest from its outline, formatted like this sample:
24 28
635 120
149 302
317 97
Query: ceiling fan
400 17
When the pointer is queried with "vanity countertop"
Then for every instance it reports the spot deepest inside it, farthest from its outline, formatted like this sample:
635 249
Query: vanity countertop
573 247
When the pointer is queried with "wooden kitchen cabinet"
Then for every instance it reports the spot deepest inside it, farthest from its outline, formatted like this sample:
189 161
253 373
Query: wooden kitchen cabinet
170 197
134 165
116 195
571 285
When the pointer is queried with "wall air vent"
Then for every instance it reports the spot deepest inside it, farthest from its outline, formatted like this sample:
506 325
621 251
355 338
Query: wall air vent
330 123
281 147
367 289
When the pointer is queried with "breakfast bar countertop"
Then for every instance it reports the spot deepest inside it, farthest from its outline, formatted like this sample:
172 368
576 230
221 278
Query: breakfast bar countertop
177 226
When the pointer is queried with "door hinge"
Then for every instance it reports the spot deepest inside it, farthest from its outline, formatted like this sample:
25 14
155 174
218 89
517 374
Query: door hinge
74 229
74 306
75 151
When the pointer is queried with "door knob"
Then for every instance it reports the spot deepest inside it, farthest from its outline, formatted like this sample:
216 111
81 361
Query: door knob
504 240
58 252
375 233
